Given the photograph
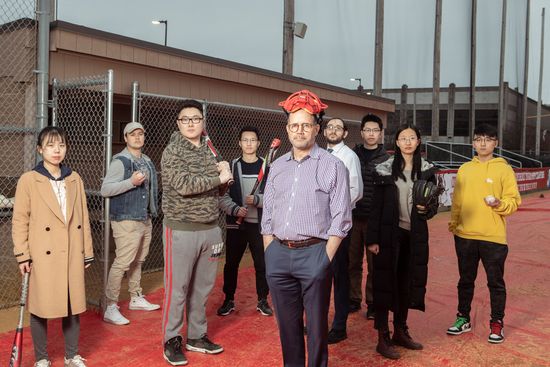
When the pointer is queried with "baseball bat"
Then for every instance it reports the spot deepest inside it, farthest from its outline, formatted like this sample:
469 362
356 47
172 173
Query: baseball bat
17 349
214 152
275 144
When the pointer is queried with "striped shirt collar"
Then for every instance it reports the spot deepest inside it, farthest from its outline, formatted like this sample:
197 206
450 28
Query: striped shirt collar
313 153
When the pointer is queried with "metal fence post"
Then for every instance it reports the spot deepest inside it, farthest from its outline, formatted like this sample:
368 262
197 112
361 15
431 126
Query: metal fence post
43 63
135 100
106 207
55 84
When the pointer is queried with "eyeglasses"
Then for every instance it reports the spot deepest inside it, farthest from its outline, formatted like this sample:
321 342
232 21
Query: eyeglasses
410 139
306 127
186 120
484 140
334 127
249 141
368 131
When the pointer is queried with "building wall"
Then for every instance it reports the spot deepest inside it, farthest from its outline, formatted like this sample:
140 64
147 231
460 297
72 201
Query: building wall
417 104
78 51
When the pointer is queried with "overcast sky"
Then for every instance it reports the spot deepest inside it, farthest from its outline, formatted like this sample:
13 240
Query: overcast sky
339 43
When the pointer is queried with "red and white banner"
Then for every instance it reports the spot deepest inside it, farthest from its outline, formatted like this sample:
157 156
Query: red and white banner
528 179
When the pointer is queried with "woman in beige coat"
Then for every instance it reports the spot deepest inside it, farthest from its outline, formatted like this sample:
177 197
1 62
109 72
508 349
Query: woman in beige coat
52 240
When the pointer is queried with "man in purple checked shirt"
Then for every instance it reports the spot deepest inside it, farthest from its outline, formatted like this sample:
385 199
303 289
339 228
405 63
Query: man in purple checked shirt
306 215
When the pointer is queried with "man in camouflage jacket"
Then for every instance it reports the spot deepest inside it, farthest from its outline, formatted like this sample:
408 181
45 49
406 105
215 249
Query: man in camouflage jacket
191 180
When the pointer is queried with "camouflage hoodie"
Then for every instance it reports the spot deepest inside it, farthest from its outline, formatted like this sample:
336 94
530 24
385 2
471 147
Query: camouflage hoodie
190 183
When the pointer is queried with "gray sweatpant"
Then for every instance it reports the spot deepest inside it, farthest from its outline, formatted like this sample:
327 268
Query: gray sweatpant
190 265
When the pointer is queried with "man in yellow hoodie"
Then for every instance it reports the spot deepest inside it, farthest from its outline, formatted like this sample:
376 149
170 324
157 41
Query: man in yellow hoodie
485 193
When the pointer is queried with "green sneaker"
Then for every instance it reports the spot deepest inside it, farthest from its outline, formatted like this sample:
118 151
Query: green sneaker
461 325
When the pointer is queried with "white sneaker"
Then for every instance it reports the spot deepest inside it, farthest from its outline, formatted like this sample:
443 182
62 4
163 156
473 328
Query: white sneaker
139 303
76 361
113 316
43 363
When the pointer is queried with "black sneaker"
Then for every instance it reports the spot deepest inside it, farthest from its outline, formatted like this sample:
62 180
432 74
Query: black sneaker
173 352
336 336
370 313
227 307
203 345
354 306
263 308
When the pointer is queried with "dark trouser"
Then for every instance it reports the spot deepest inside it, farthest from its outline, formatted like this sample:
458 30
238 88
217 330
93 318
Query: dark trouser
493 256
299 279
39 331
356 251
237 240
340 264
403 281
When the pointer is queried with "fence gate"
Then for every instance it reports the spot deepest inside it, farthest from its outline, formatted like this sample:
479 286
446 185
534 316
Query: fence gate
83 107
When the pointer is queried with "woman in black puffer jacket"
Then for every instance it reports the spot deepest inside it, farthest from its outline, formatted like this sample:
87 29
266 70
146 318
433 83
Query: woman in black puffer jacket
397 235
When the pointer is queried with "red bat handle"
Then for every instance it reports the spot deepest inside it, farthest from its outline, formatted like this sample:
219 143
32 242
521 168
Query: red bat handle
215 152
275 144
17 349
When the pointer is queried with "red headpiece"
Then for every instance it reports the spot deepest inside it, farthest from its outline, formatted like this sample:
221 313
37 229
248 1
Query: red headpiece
305 100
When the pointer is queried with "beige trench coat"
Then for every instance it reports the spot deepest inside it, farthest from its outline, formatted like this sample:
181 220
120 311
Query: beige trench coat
57 249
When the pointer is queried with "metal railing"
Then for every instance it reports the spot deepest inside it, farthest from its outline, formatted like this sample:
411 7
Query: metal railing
454 161
504 153
452 155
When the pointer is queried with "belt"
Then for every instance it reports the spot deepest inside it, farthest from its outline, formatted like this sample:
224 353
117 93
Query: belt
301 243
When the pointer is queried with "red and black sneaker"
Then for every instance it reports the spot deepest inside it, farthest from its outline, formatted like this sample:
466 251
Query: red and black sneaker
497 334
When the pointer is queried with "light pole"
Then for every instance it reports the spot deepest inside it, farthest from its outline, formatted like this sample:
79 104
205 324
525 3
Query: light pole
165 22
360 86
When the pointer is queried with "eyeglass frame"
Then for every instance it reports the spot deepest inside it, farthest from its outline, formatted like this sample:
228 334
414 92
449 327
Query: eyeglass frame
302 125
249 141
195 120
374 131
335 127
410 139
484 139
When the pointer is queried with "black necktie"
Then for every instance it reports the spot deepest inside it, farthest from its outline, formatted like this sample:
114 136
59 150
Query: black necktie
330 150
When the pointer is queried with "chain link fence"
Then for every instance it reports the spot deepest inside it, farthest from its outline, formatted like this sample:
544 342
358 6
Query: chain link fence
80 106
18 50
158 115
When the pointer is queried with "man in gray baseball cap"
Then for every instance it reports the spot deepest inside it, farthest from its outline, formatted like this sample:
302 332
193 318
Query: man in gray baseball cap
131 183
131 126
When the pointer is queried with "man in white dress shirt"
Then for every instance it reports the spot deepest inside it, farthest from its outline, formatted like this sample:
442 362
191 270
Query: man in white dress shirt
335 133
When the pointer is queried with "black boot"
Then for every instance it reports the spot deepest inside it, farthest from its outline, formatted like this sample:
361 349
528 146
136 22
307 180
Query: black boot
402 338
385 346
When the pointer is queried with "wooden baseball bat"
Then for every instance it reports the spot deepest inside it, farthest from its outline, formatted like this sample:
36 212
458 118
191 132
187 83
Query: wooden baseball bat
275 144
17 349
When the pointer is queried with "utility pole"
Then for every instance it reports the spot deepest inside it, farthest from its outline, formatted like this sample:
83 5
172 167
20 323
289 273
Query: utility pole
436 70
378 48
539 102
525 80
288 37
473 37
501 102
